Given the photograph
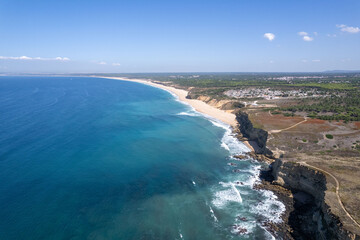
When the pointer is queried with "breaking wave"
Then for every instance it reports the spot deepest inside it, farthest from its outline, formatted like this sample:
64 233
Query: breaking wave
235 195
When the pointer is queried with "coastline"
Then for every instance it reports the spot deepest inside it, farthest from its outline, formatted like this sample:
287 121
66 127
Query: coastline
274 229
198 105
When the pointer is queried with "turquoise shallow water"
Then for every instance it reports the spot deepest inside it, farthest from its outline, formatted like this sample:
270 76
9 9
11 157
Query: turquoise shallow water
89 158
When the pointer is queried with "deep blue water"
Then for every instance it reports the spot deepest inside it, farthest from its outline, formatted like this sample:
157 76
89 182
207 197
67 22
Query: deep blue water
91 158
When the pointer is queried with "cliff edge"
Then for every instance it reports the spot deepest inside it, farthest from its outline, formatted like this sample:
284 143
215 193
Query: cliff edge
257 137
312 217
309 214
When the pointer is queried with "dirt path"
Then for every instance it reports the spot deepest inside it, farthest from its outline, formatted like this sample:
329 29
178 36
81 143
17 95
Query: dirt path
337 190
280 130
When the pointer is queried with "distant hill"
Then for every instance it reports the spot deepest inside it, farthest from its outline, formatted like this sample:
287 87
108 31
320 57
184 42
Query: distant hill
342 71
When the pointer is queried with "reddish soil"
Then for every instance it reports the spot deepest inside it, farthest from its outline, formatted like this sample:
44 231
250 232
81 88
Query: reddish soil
314 121
275 121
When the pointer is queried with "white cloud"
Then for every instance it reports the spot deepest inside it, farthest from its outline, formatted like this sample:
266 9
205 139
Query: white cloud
62 59
269 36
304 61
116 64
315 60
15 58
35 58
348 29
102 63
331 35
271 61
23 58
307 38
303 33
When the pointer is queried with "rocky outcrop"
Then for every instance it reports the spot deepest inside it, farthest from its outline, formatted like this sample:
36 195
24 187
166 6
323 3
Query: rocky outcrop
308 216
230 105
312 217
224 104
257 135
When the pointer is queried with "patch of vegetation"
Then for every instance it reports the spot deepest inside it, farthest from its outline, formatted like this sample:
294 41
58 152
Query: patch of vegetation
357 147
331 86
344 106
288 114
276 112
329 136
304 140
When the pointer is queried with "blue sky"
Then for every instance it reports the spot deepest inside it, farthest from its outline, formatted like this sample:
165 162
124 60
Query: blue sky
179 36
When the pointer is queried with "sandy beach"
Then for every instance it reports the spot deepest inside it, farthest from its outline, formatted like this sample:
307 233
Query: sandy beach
198 105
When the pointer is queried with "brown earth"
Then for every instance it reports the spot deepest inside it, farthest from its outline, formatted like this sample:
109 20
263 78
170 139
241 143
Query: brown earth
303 140
307 142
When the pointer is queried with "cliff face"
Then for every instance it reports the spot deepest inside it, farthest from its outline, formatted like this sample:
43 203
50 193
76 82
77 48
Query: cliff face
259 136
312 217
224 104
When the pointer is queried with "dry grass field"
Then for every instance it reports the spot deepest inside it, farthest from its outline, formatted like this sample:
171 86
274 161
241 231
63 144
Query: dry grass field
330 146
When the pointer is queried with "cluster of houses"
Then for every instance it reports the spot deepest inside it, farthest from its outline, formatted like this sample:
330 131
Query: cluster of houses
268 93
289 78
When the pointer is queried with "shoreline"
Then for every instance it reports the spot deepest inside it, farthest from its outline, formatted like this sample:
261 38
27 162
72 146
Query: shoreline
198 105
290 227
274 229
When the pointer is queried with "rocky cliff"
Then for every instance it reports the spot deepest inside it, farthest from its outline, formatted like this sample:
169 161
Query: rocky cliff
312 217
259 136
309 216
224 104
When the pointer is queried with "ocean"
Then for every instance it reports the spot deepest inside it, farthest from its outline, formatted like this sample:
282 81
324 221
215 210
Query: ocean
92 158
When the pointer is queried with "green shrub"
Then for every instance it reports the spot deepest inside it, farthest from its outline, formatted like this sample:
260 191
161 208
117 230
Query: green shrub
329 136
288 114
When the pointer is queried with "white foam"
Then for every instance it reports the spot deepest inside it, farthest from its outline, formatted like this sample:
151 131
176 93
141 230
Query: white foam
225 146
254 178
271 208
230 194
213 214
218 123
269 235
237 192
193 183
229 141
233 145
189 113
